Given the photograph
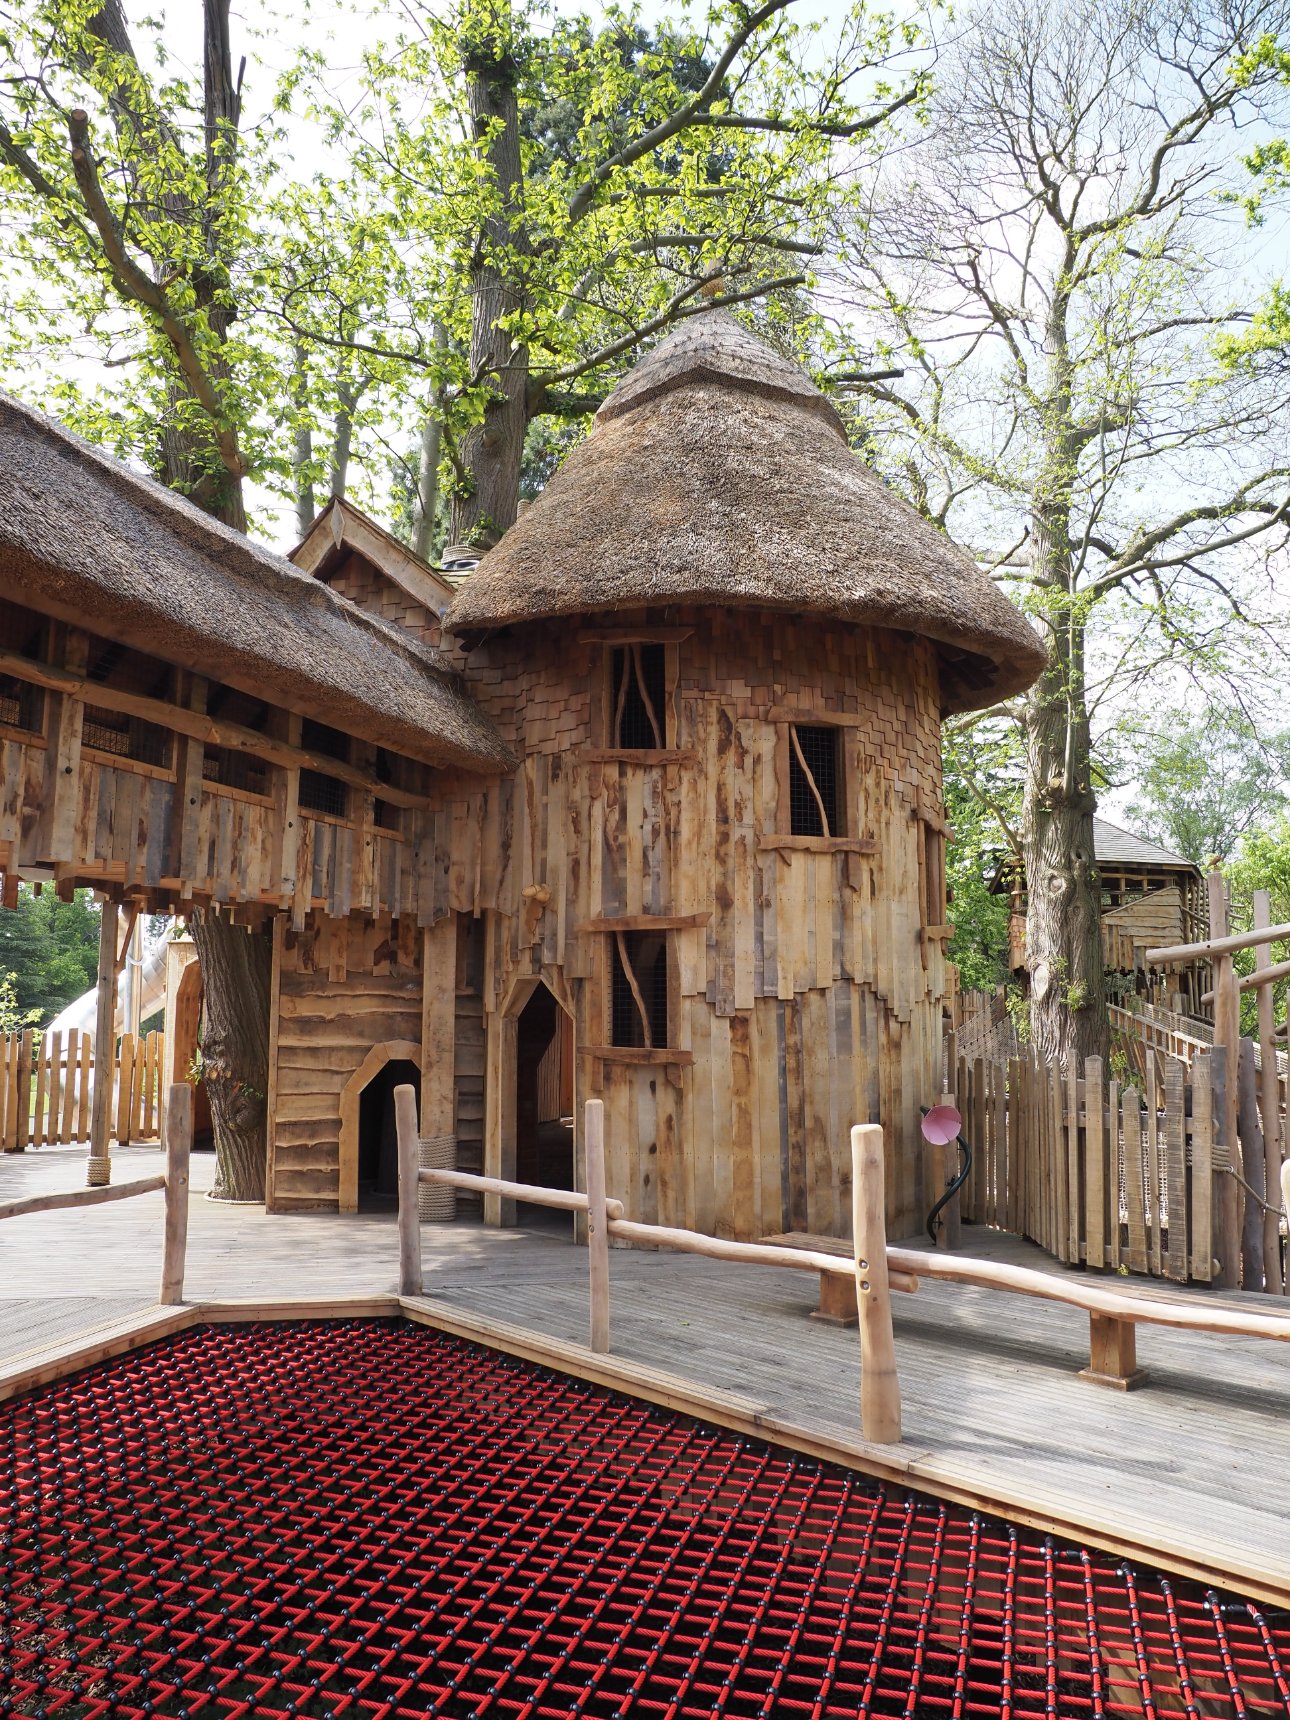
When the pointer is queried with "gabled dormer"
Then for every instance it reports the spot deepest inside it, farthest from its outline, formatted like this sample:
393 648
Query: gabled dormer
362 561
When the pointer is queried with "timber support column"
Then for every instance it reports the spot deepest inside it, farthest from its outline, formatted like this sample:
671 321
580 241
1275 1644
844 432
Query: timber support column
98 1171
1228 1204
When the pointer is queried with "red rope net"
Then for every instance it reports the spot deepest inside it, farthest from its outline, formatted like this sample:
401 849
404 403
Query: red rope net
373 1520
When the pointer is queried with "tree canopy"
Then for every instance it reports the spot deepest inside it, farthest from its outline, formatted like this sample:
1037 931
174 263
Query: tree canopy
50 948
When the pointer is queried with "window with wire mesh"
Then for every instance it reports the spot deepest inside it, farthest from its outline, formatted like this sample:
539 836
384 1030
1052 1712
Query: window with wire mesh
114 732
385 815
814 781
646 954
22 706
325 794
229 768
638 697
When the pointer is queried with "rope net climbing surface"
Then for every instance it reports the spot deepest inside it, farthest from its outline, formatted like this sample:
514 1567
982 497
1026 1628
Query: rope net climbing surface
371 1519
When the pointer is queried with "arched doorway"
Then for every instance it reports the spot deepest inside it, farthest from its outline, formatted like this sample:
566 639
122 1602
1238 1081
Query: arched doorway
405 1057
378 1141
543 1100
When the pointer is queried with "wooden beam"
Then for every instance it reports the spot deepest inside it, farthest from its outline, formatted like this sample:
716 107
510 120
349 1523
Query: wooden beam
209 730
179 1141
646 923
1177 954
94 1196
819 844
1261 976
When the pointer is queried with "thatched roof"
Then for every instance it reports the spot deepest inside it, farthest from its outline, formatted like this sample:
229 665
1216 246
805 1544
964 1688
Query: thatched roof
84 538
718 473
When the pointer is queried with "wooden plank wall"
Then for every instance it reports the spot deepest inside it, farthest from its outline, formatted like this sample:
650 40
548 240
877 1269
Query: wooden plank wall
46 1084
342 987
170 835
808 985
1099 1173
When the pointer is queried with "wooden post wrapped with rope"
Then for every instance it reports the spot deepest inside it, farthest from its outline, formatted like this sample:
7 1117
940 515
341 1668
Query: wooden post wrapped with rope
597 1226
179 1142
405 1116
879 1385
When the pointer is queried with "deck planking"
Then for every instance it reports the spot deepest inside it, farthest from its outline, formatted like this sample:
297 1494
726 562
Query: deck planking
1193 1465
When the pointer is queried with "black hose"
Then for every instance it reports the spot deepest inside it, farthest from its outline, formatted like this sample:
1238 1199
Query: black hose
953 1186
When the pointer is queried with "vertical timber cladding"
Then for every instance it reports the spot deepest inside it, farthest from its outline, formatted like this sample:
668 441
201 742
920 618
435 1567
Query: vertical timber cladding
806 977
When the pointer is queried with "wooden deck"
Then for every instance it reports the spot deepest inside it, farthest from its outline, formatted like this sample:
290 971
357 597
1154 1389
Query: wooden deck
1193 1467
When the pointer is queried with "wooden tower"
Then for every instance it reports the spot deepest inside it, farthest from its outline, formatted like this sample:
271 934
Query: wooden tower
721 650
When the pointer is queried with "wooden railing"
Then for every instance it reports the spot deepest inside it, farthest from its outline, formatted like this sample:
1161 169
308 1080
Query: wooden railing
46 1082
879 1387
876 1268
179 1140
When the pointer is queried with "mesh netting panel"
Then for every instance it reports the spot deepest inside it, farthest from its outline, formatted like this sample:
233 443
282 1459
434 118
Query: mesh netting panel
370 1519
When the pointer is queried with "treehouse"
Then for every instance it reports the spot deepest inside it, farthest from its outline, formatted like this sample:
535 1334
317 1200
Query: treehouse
720 650
673 836
186 718
1150 898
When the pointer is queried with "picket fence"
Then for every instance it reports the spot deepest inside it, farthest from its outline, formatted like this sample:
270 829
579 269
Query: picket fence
1087 1168
46 1086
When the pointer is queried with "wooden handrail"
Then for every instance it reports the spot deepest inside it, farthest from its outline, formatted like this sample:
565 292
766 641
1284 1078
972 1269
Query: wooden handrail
532 1194
1137 1310
750 1253
80 1197
1261 976
1176 954
174 1184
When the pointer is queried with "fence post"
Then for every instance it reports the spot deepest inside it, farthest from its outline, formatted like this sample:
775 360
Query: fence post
405 1113
597 1225
98 1170
179 1140
879 1385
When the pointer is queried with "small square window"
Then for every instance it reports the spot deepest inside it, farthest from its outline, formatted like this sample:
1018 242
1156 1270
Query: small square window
22 705
638 990
814 781
325 794
231 768
638 697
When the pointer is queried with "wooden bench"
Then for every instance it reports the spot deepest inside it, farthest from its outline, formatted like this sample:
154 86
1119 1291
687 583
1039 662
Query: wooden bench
837 1295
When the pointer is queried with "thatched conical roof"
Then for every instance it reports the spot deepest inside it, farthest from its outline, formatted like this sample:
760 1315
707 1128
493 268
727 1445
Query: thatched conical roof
718 473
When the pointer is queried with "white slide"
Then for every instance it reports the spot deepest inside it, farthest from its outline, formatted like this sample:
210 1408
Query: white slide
81 1015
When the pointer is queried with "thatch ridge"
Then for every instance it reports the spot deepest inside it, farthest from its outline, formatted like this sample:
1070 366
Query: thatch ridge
718 473
84 537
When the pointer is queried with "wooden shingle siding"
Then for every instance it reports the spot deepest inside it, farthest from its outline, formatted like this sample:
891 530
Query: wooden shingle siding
807 1000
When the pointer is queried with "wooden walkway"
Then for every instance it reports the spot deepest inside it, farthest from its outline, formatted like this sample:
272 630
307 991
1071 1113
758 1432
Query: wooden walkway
1195 1466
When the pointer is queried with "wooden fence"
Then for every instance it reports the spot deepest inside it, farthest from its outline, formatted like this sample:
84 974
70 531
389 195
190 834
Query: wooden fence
1089 1169
45 1087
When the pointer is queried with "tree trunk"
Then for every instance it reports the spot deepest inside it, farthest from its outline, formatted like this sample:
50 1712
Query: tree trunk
1063 908
235 965
486 500
426 502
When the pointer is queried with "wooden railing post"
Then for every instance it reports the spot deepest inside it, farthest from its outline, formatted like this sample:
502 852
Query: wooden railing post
879 1385
1228 1201
98 1170
179 1141
405 1114
1270 1106
597 1225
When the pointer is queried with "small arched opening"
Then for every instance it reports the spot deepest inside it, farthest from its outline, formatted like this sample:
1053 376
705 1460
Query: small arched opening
543 1100
368 1142
378 1141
